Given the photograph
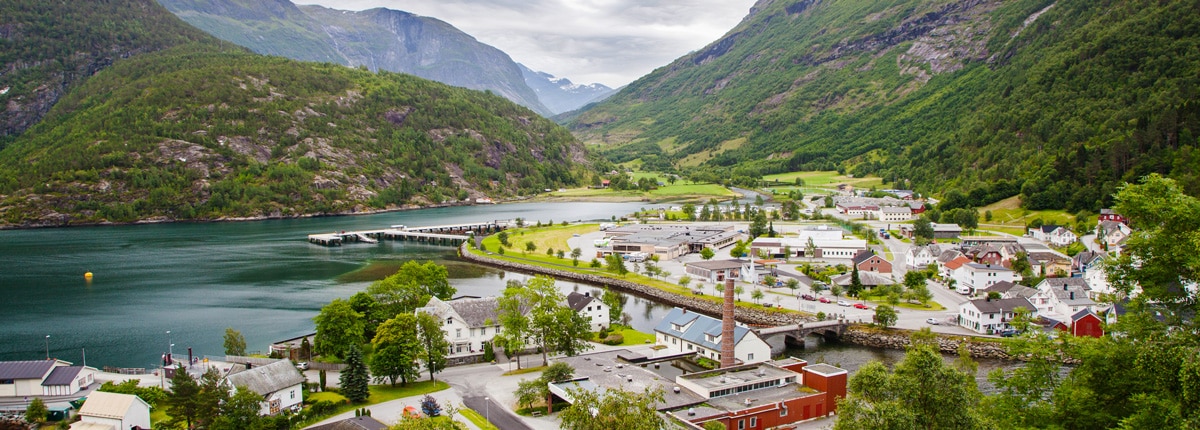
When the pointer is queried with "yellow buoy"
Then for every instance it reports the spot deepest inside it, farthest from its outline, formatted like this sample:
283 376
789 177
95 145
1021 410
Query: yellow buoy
87 276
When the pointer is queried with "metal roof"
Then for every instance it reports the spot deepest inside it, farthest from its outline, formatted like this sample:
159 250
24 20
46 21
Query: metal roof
268 378
31 369
62 375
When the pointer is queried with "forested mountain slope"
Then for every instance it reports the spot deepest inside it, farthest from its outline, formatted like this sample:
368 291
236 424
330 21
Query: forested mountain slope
207 131
46 48
1060 101
379 39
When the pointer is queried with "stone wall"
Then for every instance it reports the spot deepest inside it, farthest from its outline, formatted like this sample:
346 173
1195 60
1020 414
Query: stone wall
747 315
898 339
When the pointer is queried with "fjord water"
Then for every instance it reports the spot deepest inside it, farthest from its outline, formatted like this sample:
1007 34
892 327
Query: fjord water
195 279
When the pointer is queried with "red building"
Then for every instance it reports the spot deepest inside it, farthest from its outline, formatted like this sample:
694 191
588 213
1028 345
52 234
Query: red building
1083 323
868 261
764 395
1109 215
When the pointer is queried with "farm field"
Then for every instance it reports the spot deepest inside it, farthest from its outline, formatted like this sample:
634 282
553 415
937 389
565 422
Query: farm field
825 179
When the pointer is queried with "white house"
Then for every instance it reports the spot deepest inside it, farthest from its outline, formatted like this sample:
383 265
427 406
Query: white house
797 247
684 331
977 276
920 257
43 378
113 411
591 308
989 316
1112 235
279 383
1055 235
468 322
893 213
1059 298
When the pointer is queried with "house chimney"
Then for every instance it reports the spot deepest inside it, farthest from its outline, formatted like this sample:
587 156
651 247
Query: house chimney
1072 295
727 353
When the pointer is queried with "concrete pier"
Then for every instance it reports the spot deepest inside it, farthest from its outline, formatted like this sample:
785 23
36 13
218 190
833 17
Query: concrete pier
450 235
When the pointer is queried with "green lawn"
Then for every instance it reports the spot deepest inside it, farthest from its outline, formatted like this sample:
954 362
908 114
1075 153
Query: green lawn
477 419
1009 217
379 394
679 190
632 337
825 179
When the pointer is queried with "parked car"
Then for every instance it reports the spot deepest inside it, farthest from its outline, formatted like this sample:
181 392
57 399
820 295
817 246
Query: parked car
826 300
1008 333
809 297
933 321
843 303
303 365
861 306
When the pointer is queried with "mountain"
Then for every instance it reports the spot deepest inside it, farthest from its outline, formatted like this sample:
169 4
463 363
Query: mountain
1059 101
378 39
205 130
560 94
43 56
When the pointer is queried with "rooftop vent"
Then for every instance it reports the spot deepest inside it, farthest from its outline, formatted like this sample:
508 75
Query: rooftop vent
691 411
676 389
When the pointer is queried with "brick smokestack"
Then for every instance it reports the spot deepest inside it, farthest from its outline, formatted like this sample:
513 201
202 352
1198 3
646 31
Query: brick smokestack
727 354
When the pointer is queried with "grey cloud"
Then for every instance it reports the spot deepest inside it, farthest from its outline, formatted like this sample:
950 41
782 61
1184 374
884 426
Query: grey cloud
608 41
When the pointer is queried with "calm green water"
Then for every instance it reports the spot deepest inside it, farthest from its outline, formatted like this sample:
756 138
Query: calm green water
262 278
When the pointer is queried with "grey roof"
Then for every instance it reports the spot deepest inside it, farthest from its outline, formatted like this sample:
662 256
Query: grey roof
988 267
356 423
1002 305
948 255
32 369
718 264
578 301
62 375
824 369
862 256
1000 287
702 325
1083 313
1072 291
1021 291
269 378
1050 228
896 209
946 228
868 279
477 312
1046 257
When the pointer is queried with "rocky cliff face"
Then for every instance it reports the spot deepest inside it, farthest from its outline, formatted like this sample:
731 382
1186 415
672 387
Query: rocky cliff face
378 39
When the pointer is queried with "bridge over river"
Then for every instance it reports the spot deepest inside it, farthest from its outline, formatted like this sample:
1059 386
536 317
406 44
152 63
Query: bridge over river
779 337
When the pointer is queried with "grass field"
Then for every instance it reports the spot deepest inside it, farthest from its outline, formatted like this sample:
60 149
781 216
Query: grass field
824 179
1008 213
680 190
379 394
477 419
633 337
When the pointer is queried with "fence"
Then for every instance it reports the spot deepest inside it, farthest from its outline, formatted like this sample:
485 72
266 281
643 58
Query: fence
258 361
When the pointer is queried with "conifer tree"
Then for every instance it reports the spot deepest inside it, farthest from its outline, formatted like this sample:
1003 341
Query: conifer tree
354 379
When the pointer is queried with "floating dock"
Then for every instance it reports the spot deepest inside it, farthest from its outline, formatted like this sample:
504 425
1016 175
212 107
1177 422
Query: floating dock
451 235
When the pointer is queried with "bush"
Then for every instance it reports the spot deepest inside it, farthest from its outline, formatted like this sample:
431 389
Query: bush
323 407
603 333
820 316
614 339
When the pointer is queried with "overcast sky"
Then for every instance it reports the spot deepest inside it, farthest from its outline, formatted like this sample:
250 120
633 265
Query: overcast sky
611 42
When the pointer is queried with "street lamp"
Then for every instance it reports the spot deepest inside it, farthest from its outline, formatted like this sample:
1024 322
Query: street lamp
169 345
47 347
487 409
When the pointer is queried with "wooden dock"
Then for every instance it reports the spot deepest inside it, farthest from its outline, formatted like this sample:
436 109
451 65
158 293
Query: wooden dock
451 235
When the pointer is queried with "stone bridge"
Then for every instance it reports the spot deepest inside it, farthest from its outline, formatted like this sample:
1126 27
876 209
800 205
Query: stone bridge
779 337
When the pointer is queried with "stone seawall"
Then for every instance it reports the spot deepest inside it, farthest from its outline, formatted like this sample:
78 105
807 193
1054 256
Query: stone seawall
899 339
747 315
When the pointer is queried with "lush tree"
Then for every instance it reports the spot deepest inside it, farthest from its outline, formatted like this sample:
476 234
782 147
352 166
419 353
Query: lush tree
530 247
434 346
810 249
36 411
396 348
835 289
235 343
181 402
885 316
575 254
211 396
616 304
923 230
411 287
503 238
769 281
1162 258
792 284
338 328
239 411
684 281
921 392
514 307
354 379
856 284
689 212
707 253
758 226
615 409
757 295
738 290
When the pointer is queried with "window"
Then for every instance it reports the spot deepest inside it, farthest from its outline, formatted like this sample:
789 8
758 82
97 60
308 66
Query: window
753 422
483 331
449 320
750 356
741 424
293 392
783 411
689 347
458 332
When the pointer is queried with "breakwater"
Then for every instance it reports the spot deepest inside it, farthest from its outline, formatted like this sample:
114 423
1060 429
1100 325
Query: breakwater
746 315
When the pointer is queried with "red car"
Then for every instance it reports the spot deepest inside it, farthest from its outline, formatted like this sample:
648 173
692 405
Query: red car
826 300
809 297
861 306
